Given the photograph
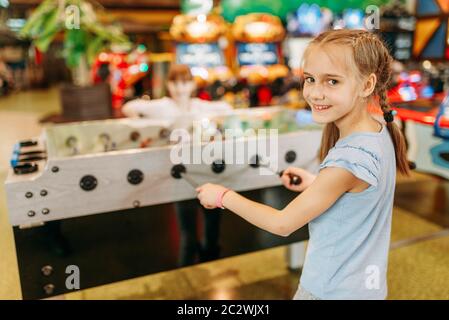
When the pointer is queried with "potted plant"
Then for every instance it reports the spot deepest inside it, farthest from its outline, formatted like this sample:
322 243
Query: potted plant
75 21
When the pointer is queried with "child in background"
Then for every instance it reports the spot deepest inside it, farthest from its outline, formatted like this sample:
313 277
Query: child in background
180 103
182 108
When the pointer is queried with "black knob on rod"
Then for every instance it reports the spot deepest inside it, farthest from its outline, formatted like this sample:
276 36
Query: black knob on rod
177 171
290 156
218 166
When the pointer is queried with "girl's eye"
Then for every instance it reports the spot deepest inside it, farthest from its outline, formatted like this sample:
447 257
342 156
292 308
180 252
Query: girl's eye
309 80
332 82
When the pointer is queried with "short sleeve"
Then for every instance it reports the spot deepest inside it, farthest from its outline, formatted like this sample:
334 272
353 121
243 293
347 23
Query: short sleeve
361 162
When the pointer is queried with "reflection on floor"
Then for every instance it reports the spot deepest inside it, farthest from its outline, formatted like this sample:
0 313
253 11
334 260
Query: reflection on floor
259 275
418 262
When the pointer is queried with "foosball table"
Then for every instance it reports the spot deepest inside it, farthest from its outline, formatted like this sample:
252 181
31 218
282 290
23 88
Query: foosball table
98 195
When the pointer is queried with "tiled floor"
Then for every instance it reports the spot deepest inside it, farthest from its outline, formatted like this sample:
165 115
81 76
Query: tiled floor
418 264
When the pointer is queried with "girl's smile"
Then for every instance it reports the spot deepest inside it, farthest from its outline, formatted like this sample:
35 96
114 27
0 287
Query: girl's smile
320 107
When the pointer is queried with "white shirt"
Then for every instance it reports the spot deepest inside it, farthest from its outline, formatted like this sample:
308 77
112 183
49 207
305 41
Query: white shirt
167 108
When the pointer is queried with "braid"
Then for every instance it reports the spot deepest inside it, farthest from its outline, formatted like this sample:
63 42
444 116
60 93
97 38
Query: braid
387 112
384 77
383 101
400 145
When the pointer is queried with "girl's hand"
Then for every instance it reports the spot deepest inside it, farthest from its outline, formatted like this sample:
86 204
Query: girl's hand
207 194
306 178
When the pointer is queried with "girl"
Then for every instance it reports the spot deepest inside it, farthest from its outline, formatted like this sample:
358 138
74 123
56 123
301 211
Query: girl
348 205
179 104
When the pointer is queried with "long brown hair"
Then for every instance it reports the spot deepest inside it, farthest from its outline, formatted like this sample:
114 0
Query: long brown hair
369 55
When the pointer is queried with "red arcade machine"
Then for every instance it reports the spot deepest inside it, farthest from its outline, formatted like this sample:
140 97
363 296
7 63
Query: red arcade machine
417 97
122 70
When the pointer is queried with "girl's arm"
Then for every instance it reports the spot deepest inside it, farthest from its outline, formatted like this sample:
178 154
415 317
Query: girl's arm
329 185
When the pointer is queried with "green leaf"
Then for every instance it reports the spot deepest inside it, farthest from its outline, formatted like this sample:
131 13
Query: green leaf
35 28
93 48
51 28
72 56
74 43
109 33
45 23
42 43
39 15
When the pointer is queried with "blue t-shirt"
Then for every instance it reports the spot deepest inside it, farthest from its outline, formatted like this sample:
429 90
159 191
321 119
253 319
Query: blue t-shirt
347 255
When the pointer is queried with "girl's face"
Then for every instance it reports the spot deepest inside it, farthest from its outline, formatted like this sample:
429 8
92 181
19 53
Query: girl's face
330 88
181 90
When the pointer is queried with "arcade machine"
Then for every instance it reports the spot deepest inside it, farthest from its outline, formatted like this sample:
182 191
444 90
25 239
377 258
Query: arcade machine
418 94
412 87
417 103
98 195
397 26
123 71
427 137
440 152
259 58
199 45
409 86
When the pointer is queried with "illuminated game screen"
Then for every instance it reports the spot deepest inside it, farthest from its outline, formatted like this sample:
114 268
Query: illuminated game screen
208 55
257 54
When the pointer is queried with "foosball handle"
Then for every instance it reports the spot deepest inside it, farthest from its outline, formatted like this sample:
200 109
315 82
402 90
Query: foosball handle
294 179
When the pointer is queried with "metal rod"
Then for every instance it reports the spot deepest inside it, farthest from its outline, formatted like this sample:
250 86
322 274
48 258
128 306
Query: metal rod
294 179
266 165
189 180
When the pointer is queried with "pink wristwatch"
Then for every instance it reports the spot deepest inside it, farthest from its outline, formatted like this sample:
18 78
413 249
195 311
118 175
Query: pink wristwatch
220 196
